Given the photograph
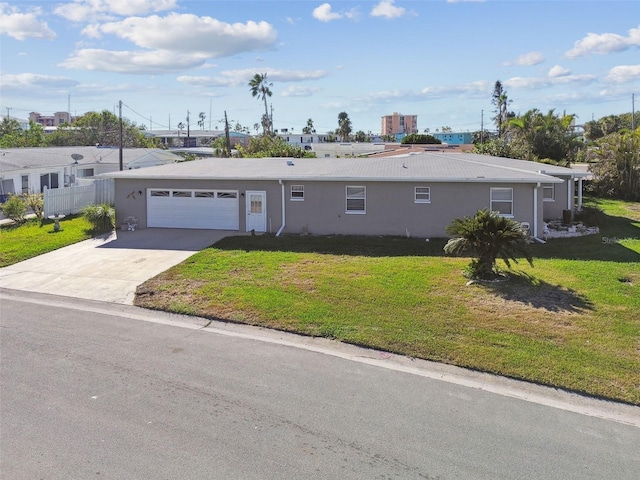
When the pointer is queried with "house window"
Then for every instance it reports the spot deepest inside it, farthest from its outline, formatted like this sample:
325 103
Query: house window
227 195
25 183
297 193
49 180
159 193
205 194
422 195
502 201
356 200
85 172
548 192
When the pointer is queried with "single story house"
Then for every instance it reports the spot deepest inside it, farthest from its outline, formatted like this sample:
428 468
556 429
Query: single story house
25 170
415 195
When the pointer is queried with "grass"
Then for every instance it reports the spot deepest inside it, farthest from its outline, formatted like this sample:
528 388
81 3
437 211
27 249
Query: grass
21 242
572 321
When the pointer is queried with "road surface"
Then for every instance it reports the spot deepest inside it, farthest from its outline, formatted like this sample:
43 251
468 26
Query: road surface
93 390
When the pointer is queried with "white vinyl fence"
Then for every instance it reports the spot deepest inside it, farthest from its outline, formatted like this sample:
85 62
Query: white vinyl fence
70 200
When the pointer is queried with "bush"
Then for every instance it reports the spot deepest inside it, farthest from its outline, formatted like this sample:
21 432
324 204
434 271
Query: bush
35 201
15 208
101 216
591 216
418 138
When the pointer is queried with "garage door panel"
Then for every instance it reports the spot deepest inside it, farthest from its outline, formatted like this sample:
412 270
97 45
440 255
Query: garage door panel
210 209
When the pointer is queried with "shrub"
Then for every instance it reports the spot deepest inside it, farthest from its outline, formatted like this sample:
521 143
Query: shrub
15 208
101 216
35 201
591 216
418 138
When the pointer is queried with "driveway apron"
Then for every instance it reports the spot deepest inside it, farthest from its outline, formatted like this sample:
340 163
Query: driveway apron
110 267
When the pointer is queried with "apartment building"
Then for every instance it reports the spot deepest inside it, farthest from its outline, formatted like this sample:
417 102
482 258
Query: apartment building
399 124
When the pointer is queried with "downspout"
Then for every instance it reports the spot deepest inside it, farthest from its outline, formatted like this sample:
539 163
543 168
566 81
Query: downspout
535 210
535 214
283 210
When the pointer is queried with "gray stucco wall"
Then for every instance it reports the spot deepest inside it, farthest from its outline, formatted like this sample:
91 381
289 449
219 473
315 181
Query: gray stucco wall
390 207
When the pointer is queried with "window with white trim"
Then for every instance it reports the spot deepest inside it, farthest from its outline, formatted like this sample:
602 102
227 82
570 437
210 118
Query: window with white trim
502 201
356 199
297 193
548 192
422 195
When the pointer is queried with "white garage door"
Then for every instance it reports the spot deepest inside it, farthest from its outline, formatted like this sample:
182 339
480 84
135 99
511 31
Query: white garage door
203 209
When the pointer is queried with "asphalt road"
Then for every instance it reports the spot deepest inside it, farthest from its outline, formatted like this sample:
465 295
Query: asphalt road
91 390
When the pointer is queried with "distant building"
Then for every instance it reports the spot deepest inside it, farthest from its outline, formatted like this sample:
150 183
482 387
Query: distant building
399 124
453 138
54 120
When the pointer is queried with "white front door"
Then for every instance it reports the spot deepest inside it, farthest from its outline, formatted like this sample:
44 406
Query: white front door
256 211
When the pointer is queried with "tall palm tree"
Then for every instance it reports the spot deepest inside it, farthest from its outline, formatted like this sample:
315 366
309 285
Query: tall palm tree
262 89
488 236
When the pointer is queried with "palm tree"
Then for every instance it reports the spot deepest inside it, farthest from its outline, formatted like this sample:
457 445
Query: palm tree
488 236
261 88
344 126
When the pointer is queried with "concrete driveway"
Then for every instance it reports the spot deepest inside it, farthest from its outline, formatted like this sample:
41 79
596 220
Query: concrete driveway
110 267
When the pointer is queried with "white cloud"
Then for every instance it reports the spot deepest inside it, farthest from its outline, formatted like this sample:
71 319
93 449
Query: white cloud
23 25
604 43
558 71
190 34
235 78
543 82
298 91
623 74
91 10
325 13
387 9
528 59
137 62
31 81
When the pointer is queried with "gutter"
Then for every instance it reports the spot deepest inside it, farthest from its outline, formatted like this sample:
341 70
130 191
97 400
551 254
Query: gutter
283 210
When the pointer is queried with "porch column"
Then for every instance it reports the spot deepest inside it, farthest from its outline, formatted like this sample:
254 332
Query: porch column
570 187
580 194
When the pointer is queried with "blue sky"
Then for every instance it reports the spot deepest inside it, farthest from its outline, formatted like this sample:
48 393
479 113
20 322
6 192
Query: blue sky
435 59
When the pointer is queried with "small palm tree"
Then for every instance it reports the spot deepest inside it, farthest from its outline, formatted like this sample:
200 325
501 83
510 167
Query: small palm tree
488 236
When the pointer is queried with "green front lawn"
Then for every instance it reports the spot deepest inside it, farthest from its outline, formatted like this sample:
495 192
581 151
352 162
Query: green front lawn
572 321
20 242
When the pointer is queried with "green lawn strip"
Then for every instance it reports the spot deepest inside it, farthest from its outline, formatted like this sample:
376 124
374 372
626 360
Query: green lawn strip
18 243
566 323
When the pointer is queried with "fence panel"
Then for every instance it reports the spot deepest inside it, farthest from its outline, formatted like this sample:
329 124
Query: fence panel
70 200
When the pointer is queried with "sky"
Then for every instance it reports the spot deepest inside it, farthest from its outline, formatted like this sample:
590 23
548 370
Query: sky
437 59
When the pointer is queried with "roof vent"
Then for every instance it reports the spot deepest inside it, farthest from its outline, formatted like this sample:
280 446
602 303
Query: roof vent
290 163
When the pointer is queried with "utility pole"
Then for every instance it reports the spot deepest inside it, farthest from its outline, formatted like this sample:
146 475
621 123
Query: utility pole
120 122
226 133
8 116
188 135
481 126
633 112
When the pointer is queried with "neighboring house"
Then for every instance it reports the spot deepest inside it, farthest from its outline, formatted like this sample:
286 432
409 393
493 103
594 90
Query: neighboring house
195 138
302 140
414 195
457 138
338 149
25 170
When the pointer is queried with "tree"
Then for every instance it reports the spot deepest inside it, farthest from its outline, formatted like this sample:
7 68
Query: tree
617 170
418 138
201 117
309 128
13 136
99 128
500 100
544 137
488 236
344 126
271 146
261 89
